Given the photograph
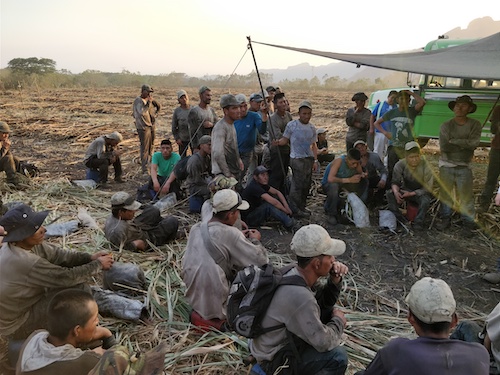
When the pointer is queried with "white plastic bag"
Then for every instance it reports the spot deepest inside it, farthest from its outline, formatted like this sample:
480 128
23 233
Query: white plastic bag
387 219
357 212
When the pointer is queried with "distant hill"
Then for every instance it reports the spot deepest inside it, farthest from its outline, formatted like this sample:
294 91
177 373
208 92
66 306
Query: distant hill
477 28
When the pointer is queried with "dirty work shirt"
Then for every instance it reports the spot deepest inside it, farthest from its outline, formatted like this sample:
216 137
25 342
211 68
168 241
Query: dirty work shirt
297 307
123 232
40 357
428 356
26 276
96 148
401 126
225 154
246 131
458 142
207 287
277 125
165 166
180 125
142 113
301 137
198 168
418 180
363 117
196 117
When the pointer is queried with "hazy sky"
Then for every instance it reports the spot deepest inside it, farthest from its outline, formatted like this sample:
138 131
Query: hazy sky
209 37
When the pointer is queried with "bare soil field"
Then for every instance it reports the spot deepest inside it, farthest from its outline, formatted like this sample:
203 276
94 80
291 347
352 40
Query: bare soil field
52 129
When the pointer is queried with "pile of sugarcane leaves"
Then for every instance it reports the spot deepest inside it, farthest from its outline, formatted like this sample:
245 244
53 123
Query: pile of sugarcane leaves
190 351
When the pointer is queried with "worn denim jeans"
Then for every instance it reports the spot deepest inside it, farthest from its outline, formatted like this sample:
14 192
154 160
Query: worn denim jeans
460 180
423 201
333 362
265 211
332 191
301 182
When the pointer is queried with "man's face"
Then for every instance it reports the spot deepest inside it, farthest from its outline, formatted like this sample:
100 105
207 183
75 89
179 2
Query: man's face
305 115
127 214
413 159
360 103
271 96
233 112
461 109
87 331
321 136
254 106
281 105
262 178
363 149
243 109
3 136
166 151
325 265
146 94
206 148
206 97
351 163
36 238
183 100
391 99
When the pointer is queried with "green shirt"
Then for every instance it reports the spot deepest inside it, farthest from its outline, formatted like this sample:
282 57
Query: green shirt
165 166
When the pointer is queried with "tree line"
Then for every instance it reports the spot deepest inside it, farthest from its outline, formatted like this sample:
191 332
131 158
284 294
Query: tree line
42 72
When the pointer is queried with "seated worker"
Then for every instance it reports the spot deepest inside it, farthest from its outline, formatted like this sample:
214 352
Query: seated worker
162 179
306 313
322 143
343 173
199 168
431 312
7 160
265 201
32 271
376 174
126 231
73 322
207 281
411 181
102 153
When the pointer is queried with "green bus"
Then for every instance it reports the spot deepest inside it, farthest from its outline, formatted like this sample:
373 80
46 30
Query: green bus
438 91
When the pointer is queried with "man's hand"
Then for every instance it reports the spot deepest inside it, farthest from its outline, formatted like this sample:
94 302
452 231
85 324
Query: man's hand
240 162
355 179
315 166
156 186
381 184
99 254
2 231
398 196
166 188
208 124
178 141
106 261
252 233
497 199
340 314
338 270
139 245
6 143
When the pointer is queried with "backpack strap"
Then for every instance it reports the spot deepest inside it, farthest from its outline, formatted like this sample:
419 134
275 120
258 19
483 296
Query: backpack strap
215 253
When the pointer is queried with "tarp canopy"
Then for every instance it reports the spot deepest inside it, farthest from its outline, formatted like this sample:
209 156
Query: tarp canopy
475 60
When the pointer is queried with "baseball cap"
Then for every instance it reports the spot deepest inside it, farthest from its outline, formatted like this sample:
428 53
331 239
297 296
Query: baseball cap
260 169
256 97
147 88
411 145
115 136
181 93
21 222
228 100
203 89
4 127
205 140
270 88
241 98
321 131
313 240
359 142
305 103
431 301
124 200
228 200
220 182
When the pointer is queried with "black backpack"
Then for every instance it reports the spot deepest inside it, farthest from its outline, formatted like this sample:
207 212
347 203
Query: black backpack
180 169
250 295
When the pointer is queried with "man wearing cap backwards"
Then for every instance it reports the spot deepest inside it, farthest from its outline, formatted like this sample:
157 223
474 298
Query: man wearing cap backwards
126 231
102 153
32 271
401 126
343 173
180 125
145 111
7 160
303 157
322 145
199 174
412 181
207 286
247 127
458 138
225 155
376 174
358 120
431 312
307 312
265 201
162 165
202 117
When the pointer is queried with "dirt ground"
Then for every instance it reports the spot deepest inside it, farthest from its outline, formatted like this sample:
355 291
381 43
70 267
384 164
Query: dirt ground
52 128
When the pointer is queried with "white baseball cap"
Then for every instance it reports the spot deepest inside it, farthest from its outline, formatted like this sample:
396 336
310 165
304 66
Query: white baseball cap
228 200
313 240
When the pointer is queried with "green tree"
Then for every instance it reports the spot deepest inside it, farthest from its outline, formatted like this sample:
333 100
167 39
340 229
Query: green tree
32 65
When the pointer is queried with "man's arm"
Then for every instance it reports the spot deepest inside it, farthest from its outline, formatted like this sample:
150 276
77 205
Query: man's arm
218 154
175 126
378 126
154 176
472 141
420 102
275 202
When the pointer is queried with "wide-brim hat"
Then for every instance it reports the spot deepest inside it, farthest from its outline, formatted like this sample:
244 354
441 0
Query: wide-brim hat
463 99
21 222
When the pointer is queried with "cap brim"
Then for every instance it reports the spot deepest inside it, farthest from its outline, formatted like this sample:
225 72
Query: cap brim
134 206
337 247
243 206
26 231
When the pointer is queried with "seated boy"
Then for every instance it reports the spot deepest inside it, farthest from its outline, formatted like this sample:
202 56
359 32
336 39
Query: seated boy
72 323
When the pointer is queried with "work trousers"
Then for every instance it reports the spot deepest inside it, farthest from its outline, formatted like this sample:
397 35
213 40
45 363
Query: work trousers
460 180
146 139
301 182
